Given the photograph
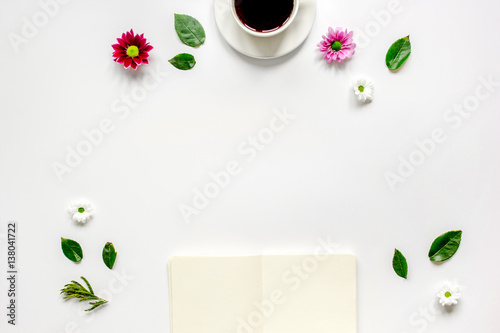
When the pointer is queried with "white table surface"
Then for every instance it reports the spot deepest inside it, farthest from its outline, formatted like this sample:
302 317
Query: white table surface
321 177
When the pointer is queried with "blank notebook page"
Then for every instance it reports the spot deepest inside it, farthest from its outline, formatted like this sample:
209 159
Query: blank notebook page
263 294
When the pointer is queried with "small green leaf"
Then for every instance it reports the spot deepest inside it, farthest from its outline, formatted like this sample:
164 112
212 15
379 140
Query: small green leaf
399 264
189 30
183 61
445 246
109 255
398 53
77 291
71 249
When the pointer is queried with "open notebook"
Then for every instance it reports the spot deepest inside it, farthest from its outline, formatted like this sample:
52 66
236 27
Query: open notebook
263 294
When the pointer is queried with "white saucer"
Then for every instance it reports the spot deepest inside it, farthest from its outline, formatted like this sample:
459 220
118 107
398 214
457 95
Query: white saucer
265 47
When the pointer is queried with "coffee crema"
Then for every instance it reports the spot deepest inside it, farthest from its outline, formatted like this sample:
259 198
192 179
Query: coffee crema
263 15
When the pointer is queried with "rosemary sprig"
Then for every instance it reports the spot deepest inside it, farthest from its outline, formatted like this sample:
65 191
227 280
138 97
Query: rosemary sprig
76 290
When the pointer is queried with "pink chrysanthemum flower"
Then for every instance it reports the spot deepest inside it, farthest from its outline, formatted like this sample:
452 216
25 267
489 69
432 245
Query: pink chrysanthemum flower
131 50
337 45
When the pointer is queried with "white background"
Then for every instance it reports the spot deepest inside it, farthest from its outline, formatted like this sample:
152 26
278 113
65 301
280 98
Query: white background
322 176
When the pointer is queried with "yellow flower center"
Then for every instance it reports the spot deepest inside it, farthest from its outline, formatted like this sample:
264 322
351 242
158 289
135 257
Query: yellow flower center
133 51
447 294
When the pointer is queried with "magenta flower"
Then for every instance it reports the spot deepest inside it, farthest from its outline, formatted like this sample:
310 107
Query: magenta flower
131 50
337 45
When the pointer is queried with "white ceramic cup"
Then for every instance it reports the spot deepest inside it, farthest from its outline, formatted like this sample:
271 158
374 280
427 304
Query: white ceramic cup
265 33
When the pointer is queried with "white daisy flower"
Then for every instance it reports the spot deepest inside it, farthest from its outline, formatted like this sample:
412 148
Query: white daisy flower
363 89
81 211
449 293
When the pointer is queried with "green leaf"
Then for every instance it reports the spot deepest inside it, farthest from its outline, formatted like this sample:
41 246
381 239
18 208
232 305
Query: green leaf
445 246
71 249
398 53
109 255
183 61
88 285
399 264
189 30
76 290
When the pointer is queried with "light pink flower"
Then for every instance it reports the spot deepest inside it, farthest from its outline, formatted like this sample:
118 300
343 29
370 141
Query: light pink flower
337 45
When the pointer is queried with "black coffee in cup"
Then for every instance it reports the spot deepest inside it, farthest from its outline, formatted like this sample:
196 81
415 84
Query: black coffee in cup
263 15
